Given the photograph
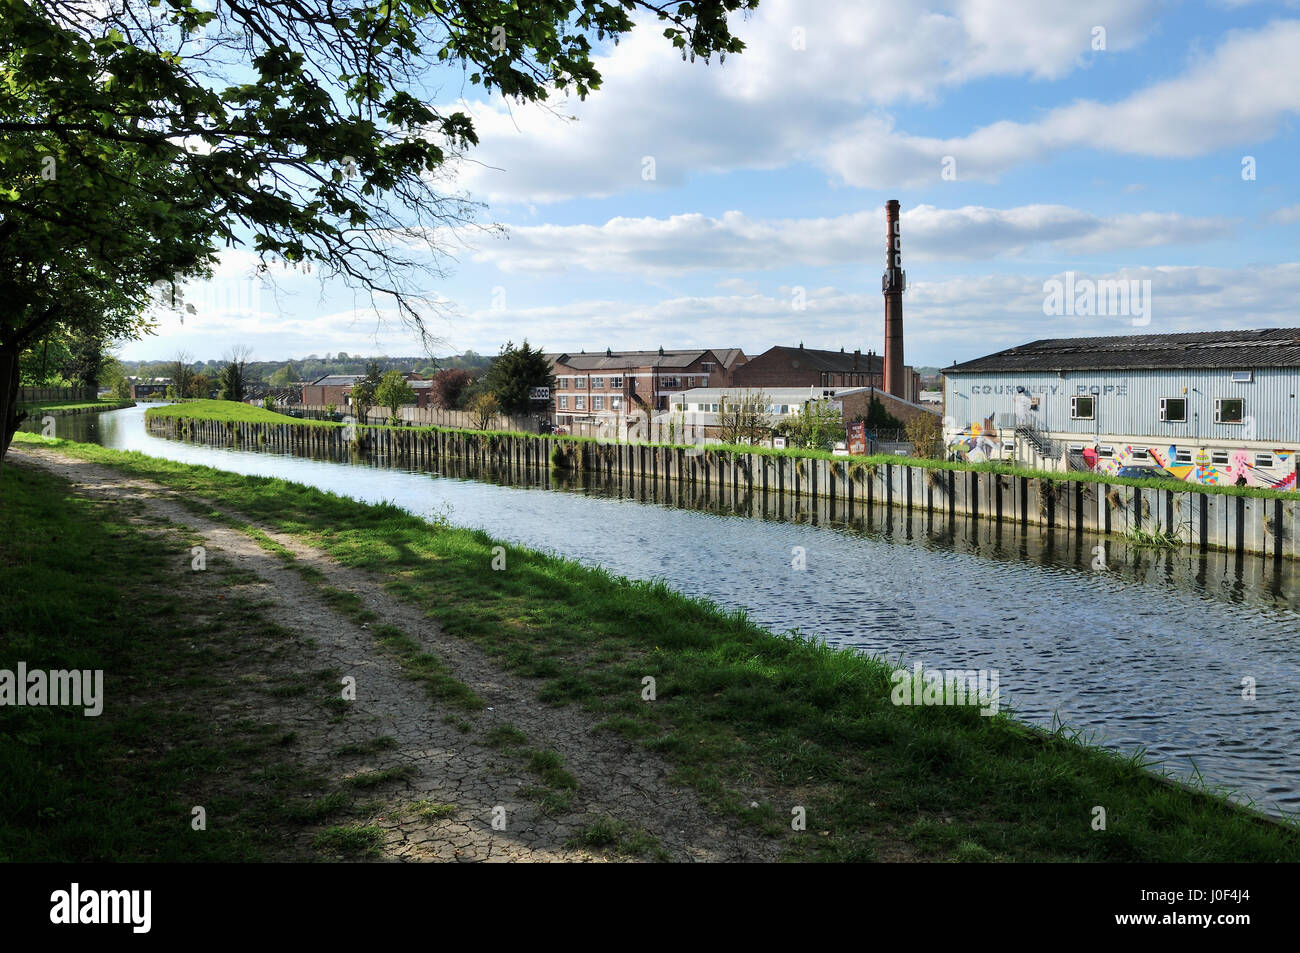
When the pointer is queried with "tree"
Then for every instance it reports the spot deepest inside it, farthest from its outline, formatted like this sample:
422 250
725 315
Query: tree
483 408
743 418
925 433
513 375
182 374
878 418
817 426
284 376
365 392
233 381
304 130
393 391
200 386
449 388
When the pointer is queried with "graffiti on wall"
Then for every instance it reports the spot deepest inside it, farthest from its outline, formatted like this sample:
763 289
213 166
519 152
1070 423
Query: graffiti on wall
977 443
980 442
1240 468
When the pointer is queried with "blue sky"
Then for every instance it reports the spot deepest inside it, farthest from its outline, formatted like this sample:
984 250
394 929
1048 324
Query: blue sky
771 171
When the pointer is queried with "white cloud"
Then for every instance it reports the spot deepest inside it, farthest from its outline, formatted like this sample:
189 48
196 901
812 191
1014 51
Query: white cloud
1240 94
690 242
1286 216
774 103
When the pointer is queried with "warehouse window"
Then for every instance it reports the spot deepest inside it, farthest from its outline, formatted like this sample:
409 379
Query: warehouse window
1229 410
1139 454
1243 377
1105 451
1219 458
1263 459
1182 456
1173 410
1081 408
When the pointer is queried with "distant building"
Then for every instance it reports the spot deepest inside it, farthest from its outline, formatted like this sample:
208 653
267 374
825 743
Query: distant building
808 367
615 393
149 388
336 389
1214 407
330 389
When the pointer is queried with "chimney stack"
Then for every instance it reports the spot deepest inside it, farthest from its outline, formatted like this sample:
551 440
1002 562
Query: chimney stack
892 284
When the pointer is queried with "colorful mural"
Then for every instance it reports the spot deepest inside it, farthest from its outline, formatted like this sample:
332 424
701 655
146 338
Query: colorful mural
1240 468
977 443
980 442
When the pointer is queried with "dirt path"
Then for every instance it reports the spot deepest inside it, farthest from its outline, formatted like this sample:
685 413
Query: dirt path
445 754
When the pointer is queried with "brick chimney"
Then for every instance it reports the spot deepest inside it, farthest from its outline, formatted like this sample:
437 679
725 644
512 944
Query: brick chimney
892 284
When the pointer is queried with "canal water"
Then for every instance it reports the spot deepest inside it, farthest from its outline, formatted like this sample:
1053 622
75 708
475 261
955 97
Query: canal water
1137 648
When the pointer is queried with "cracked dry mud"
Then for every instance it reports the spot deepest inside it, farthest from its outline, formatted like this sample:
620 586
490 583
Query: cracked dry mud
443 763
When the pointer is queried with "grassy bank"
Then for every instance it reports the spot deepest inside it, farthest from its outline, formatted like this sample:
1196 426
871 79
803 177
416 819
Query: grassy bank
73 406
230 412
87 588
740 710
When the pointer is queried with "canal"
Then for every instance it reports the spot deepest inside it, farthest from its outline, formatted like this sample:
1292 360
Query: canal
1136 648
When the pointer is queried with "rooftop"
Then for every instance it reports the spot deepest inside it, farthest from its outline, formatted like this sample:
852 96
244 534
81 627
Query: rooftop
334 380
1242 350
834 361
621 360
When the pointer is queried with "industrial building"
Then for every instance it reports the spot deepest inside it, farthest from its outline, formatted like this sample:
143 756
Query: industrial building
1212 407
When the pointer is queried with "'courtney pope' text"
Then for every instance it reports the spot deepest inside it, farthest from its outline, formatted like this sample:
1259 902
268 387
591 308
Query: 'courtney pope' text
84 689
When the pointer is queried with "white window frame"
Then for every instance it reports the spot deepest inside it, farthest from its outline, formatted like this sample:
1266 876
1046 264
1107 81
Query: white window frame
1140 454
616 383
1105 451
616 403
1220 458
1264 460
1074 407
580 402
1182 455
598 383
562 402
597 403
1164 411
1243 377
1218 410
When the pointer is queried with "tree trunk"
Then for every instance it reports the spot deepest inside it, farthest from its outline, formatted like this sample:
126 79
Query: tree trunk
9 416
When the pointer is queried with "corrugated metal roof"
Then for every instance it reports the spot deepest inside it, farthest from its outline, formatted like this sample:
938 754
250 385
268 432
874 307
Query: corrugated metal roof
1241 350
334 380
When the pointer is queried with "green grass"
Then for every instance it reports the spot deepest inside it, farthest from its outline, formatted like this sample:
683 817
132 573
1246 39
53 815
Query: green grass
609 834
110 403
84 588
350 840
739 707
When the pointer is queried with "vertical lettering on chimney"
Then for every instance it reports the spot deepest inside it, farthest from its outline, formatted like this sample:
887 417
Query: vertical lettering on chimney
893 283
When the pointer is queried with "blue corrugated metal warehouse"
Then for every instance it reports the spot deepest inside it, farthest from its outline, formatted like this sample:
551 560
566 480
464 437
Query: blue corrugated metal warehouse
1215 407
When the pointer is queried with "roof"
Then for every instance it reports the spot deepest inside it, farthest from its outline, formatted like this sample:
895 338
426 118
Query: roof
778 394
836 361
728 356
335 380
621 360
1242 350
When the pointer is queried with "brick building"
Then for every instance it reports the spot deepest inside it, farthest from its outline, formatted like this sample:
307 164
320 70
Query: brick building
808 367
615 393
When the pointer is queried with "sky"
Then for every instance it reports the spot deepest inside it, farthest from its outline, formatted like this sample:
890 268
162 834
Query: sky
741 204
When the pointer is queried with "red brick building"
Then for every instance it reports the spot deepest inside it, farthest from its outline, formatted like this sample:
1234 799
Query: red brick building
598 391
808 367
